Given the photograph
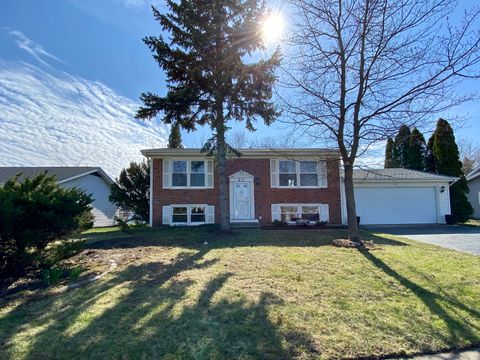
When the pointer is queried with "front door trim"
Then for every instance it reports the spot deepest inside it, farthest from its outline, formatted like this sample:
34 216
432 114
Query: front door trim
242 176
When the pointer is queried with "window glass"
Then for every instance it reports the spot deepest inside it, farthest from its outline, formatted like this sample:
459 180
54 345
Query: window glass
180 214
287 166
310 213
308 167
179 166
287 173
197 214
197 173
288 213
308 180
288 180
308 173
179 173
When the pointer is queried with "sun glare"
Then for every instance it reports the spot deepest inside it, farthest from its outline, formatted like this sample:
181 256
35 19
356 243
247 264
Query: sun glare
272 28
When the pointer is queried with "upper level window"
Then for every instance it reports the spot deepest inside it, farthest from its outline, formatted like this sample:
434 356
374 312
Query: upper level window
179 173
298 173
197 173
287 173
187 173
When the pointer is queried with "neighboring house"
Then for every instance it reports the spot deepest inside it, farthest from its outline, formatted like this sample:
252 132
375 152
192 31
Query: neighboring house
401 196
287 185
473 181
264 185
92 180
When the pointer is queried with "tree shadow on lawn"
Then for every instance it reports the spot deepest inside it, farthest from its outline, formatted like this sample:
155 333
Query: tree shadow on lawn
192 238
152 314
444 306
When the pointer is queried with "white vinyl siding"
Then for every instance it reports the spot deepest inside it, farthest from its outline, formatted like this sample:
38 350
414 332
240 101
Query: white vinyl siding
292 212
188 214
187 174
298 174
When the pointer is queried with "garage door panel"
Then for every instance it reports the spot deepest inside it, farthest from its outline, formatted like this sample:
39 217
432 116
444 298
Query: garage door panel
396 205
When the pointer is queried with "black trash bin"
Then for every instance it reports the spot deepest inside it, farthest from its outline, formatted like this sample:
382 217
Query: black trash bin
450 219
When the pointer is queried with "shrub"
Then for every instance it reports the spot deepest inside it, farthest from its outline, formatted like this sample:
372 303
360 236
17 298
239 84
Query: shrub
278 223
35 212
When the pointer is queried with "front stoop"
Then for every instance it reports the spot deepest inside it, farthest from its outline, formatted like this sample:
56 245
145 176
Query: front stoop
245 225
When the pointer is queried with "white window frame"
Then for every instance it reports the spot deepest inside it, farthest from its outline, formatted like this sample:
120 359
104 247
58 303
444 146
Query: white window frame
276 173
189 172
322 208
189 214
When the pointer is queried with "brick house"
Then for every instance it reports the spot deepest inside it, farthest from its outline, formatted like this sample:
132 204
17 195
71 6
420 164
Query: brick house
264 185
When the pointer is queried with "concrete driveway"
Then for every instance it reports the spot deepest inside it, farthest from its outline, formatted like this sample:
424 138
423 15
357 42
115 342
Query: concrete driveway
456 237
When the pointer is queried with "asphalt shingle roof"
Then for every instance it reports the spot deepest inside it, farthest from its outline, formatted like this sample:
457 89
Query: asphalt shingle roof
397 174
61 172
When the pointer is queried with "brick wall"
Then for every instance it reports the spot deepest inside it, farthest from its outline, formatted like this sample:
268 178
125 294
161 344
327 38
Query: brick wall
264 195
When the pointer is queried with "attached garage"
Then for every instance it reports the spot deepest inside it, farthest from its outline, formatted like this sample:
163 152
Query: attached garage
403 205
400 196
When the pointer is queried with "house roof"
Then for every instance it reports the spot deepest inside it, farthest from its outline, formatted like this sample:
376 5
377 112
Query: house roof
473 174
62 173
250 153
398 175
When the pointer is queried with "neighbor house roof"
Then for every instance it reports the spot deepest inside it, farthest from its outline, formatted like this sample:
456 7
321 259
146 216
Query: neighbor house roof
62 173
250 153
397 175
473 174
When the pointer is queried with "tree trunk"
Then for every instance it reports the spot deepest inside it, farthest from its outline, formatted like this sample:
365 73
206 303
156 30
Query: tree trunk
350 199
222 171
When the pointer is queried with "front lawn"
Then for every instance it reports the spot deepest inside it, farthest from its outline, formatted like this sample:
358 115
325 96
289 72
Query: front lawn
252 294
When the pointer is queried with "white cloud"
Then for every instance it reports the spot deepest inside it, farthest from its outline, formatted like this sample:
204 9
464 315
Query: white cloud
54 118
30 46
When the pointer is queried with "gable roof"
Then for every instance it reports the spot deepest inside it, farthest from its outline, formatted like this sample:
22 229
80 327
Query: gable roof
246 153
473 174
397 175
62 173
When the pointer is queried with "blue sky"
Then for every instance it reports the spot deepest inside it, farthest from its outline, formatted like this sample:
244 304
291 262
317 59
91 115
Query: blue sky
99 43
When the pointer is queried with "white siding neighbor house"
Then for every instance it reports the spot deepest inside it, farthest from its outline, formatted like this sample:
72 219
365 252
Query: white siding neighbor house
400 196
473 181
92 180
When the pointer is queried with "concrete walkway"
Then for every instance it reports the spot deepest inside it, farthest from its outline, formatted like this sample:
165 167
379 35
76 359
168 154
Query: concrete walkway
456 237
465 355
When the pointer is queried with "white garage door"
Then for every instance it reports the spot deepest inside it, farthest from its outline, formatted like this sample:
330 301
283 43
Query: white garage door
398 205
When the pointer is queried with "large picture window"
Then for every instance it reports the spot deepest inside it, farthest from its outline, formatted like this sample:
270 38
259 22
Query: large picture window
298 173
188 173
294 212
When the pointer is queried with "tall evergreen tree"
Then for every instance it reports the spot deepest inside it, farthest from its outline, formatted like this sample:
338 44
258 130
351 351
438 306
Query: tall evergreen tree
415 156
175 138
400 149
131 190
429 157
209 80
389 156
447 162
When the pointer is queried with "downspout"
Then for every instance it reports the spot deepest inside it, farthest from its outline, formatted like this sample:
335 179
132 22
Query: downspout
150 210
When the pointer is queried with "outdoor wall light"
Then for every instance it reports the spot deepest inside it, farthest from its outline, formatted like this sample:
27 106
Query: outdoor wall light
257 180
442 188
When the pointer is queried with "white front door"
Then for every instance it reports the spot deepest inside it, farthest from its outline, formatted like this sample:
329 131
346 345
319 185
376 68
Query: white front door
241 200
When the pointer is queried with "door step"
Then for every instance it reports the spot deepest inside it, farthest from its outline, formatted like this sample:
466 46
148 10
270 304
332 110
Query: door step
245 225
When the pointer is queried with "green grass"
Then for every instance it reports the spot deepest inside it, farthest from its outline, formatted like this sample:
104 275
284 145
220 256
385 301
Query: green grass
252 294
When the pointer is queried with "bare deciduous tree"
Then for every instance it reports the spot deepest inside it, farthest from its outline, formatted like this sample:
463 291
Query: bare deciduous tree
358 69
469 154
